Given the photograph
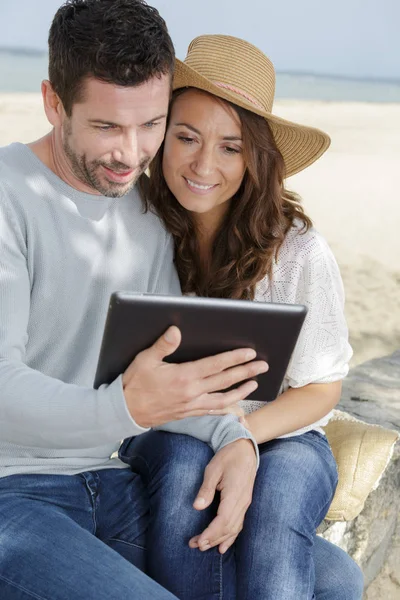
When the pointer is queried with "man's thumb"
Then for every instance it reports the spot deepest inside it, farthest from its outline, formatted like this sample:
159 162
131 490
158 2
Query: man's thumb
167 343
204 497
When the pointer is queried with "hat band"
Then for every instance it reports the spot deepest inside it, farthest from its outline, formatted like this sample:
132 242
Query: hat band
240 92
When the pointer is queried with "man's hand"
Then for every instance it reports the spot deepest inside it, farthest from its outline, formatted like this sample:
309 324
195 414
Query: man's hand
232 472
157 392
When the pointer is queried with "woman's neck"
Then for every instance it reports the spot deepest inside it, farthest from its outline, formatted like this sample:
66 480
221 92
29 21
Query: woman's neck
207 226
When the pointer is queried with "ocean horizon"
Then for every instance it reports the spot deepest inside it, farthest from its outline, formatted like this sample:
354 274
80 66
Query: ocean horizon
22 70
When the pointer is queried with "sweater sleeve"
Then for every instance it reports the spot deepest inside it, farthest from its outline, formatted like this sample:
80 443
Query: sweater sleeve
37 410
216 431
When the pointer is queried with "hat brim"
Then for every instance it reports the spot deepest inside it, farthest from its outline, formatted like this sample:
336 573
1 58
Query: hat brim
299 145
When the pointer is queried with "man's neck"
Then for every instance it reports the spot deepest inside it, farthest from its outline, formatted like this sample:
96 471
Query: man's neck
47 151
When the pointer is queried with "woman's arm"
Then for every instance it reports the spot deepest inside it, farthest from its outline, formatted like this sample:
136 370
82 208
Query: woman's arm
292 410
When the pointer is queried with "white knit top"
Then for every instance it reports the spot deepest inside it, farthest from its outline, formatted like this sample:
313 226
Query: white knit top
306 273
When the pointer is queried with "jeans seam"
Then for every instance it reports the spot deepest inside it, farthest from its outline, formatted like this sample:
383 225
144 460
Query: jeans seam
92 497
221 588
127 543
20 587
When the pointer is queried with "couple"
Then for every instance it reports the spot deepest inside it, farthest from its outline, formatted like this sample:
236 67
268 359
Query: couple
74 519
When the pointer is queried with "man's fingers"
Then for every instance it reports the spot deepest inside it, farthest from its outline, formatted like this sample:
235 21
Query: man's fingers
230 377
219 401
193 543
225 545
212 477
217 532
231 410
165 345
205 496
213 404
205 367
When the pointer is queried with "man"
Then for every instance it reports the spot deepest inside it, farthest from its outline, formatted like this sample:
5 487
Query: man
72 231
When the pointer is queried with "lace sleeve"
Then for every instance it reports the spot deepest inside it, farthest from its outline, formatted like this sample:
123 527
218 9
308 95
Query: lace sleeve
322 352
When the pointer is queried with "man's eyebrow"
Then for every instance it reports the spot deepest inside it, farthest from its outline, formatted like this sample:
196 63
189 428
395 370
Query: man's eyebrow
227 138
159 118
103 122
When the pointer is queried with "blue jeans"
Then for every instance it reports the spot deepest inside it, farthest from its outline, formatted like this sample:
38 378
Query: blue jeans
77 537
277 556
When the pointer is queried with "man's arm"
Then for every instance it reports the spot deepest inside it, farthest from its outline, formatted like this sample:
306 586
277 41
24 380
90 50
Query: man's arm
217 431
40 411
37 410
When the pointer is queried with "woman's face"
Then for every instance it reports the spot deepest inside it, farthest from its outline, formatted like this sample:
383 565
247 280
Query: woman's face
203 160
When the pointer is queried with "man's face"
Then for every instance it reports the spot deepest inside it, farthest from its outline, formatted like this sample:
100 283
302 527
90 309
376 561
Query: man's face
113 134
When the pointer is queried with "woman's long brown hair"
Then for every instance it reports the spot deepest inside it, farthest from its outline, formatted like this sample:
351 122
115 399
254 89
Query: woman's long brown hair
259 216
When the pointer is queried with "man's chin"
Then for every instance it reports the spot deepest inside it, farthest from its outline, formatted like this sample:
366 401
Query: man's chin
116 190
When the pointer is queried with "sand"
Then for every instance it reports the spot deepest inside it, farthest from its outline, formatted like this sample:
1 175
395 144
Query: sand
350 193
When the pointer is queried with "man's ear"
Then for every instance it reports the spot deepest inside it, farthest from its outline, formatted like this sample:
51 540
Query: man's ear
52 104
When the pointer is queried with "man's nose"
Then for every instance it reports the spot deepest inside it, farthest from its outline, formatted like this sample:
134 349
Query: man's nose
127 150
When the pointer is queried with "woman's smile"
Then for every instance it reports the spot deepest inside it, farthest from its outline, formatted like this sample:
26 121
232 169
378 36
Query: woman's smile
203 161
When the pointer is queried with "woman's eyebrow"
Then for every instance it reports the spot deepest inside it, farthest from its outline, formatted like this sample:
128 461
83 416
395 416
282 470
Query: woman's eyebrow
188 127
227 138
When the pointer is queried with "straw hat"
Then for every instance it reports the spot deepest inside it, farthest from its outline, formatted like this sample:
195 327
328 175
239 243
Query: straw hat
237 71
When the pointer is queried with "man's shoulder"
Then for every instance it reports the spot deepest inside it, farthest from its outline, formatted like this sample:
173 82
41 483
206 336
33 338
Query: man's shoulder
10 155
13 172
139 193
13 164
7 172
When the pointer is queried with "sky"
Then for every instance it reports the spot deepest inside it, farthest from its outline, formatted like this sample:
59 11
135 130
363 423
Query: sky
350 38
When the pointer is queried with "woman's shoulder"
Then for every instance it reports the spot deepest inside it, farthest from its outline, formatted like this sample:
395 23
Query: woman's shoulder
303 252
302 245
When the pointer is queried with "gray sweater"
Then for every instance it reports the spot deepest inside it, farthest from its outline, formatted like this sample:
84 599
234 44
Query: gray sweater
62 253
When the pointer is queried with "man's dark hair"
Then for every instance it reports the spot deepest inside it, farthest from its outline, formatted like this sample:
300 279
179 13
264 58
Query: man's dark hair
124 42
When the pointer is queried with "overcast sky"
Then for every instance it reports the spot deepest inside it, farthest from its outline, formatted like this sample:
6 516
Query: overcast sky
355 38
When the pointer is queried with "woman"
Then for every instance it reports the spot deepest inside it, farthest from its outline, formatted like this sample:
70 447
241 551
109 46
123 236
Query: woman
218 184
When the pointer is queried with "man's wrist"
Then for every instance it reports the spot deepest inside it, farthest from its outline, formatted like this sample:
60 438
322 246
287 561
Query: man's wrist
229 430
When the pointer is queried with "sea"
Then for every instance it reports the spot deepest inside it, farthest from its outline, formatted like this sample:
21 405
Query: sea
23 70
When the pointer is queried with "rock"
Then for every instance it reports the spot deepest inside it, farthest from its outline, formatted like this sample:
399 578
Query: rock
371 392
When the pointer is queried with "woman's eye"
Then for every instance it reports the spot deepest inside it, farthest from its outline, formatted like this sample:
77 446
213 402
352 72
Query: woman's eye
185 140
230 150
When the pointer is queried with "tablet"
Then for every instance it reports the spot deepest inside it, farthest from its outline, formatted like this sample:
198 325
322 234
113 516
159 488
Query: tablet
208 325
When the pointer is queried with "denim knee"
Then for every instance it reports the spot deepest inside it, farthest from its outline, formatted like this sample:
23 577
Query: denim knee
337 575
347 584
296 479
171 461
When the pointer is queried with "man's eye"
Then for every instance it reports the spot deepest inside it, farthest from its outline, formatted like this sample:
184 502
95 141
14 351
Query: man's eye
151 124
105 127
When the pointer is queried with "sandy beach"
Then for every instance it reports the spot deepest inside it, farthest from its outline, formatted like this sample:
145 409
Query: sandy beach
351 194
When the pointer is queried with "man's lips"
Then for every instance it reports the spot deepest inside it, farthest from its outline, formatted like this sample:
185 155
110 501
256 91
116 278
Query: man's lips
118 176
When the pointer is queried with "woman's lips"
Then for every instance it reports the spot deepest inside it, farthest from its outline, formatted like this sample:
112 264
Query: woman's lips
199 188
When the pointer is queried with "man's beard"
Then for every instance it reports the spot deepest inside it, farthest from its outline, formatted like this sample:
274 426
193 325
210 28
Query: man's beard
87 172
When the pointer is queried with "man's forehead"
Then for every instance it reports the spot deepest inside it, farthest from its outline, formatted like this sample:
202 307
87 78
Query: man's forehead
97 95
